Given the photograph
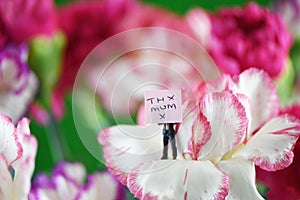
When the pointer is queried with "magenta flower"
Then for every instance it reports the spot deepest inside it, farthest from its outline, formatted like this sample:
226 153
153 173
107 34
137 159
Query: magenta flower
22 19
222 136
249 37
17 150
68 182
17 83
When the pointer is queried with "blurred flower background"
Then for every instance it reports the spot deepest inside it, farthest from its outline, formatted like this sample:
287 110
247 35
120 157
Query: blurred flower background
44 43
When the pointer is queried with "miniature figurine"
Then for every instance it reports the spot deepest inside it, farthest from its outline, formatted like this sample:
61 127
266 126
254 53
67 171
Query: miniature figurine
169 134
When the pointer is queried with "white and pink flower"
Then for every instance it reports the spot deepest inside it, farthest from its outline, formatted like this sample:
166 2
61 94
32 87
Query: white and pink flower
17 159
68 182
230 127
17 83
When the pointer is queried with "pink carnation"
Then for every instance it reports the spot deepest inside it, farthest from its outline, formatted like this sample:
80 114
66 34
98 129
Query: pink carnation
21 19
249 37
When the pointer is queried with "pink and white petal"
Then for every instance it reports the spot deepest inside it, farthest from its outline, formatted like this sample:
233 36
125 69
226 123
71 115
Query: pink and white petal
261 91
125 147
65 189
6 180
201 133
228 121
242 179
15 105
23 126
178 179
101 185
184 133
225 82
26 163
58 188
271 147
74 172
9 144
200 88
244 100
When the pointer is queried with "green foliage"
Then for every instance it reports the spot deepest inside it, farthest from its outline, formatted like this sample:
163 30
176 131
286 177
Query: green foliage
45 57
285 83
181 7
59 141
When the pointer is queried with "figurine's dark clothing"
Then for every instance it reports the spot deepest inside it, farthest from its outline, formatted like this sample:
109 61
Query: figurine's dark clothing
169 134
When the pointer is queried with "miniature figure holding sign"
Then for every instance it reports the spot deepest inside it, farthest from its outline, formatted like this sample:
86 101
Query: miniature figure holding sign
164 107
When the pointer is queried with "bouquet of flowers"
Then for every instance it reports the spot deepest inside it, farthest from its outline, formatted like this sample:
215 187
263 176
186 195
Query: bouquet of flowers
74 112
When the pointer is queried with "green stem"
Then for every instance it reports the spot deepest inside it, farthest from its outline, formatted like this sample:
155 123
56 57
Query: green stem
57 148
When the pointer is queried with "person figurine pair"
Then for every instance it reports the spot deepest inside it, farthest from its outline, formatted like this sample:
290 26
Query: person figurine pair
169 135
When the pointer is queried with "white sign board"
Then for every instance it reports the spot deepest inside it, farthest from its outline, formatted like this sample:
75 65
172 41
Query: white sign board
163 106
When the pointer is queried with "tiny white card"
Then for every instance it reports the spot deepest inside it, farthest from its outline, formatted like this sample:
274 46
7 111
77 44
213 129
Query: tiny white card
163 106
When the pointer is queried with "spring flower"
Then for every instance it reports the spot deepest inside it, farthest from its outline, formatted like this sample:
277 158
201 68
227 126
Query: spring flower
22 19
17 83
284 184
249 37
67 182
81 20
220 140
18 151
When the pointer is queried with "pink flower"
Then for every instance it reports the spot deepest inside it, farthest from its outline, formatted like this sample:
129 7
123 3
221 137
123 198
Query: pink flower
249 37
18 151
224 133
17 83
284 184
67 182
22 19
98 21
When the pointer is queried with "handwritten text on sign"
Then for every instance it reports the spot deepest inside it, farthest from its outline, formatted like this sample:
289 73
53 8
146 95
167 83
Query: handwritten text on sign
163 106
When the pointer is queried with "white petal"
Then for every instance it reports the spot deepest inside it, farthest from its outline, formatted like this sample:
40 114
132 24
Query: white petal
24 166
179 179
228 121
9 144
125 147
271 147
242 179
6 180
261 91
